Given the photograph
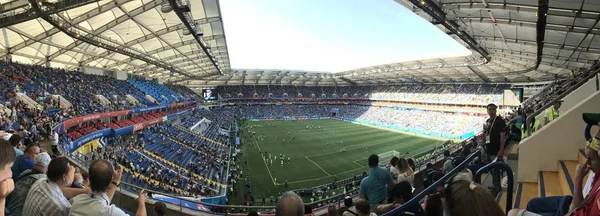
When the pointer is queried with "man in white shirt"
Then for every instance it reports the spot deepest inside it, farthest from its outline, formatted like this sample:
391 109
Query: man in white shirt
45 197
104 180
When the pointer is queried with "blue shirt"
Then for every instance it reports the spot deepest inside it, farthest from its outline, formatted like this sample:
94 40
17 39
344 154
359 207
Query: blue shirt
21 164
18 152
374 186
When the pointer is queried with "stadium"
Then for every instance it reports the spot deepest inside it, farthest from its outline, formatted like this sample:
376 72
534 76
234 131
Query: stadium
209 107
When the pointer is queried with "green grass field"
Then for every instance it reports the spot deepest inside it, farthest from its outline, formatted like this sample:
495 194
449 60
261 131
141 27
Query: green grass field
312 162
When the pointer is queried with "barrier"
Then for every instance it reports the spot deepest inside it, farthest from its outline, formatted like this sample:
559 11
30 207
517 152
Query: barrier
509 176
121 131
65 125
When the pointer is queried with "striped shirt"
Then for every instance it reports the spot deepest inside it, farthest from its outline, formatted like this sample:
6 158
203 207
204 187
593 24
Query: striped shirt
46 198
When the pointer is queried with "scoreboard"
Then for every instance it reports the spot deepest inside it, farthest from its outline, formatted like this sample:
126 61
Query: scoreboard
210 94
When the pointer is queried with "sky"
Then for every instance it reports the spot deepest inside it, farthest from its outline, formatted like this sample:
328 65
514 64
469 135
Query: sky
329 35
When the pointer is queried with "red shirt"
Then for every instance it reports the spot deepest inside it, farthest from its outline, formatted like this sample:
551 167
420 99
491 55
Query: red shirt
593 206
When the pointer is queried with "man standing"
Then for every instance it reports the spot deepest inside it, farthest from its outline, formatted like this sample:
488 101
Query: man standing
494 129
552 112
374 186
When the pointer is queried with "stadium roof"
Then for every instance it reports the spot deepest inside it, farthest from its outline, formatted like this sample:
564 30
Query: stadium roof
510 40
129 35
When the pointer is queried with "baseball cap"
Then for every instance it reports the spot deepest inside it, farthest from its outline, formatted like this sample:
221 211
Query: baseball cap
591 118
43 159
593 143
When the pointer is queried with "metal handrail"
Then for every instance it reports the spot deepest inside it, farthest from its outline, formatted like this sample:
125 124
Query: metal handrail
595 70
509 175
414 202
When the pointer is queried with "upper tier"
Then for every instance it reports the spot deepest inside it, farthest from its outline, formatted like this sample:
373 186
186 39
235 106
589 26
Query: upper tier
429 93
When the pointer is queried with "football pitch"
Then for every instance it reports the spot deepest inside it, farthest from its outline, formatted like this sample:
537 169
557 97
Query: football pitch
330 149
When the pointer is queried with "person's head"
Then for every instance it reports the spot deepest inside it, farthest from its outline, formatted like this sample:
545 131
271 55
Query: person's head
15 140
429 165
7 158
592 158
446 153
433 205
253 213
491 109
101 175
362 206
373 161
160 209
348 201
78 179
60 171
557 104
467 198
411 163
402 192
394 161
32 151
41 162
289 204
403 165
332 211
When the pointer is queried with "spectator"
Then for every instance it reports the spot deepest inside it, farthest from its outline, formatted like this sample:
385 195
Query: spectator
448 166
401 193
7 158
576 205
466 198
141 202
362 208
45 196
16 200
25 162
406 172
16 141
253 213
553 112
394 169
494 129
350 210
374 186
160 209
289 204
104 180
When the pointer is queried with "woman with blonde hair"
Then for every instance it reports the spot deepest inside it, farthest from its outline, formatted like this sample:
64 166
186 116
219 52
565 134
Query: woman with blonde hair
406 173
466 198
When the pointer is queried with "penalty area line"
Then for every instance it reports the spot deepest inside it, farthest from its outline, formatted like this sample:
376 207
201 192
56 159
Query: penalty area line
317 166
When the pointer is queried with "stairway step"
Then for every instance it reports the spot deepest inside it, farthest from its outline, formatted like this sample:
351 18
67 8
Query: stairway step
551 184
566 170
527 191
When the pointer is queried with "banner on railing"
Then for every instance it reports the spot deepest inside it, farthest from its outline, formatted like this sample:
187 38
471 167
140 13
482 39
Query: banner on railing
111 132
62 127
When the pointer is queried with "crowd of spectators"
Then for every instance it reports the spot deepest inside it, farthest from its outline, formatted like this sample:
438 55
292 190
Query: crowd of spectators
433 93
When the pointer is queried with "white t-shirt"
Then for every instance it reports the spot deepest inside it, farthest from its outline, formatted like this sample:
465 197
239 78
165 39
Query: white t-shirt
55 141
405 177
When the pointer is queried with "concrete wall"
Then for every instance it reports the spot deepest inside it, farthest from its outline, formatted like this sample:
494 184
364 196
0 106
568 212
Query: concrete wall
561 139
574 97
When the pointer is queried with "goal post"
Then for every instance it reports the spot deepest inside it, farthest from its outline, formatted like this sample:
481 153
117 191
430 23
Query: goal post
384 158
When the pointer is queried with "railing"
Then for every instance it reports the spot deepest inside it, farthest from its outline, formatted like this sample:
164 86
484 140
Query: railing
509 175
414 204
595 69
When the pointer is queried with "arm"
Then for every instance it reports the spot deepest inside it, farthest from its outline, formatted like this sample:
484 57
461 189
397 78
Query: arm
502 138
581 171
141 210
70 192
112 188
385 208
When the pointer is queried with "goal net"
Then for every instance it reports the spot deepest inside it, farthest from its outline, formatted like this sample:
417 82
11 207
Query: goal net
384 158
